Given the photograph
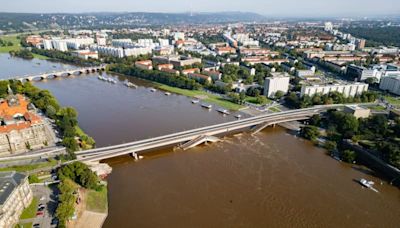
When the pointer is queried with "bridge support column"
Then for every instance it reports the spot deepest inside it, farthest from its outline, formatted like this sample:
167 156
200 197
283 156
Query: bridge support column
135 156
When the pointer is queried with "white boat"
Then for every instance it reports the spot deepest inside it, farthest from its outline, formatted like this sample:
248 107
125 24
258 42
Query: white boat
153 90
223 111
195 101
207 106
167 93
238 116
368 184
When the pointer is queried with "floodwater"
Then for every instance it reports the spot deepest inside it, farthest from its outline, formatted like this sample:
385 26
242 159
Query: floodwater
273 179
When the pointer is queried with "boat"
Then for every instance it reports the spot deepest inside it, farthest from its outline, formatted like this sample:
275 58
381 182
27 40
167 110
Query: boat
153 90
129 84
207 106
368 184
167 93
223 111
195 101
238 116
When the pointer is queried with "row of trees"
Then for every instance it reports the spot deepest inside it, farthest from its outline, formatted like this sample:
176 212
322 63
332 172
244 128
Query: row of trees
4 43
72 176
23 53
157 76
293 100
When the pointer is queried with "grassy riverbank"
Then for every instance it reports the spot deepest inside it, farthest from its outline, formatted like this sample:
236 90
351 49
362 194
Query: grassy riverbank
97 200
26 168
207 97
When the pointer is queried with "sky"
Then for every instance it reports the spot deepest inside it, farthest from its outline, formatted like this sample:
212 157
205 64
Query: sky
284 8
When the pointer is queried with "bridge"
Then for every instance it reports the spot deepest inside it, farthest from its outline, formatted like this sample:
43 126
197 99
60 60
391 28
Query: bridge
190 138
57 74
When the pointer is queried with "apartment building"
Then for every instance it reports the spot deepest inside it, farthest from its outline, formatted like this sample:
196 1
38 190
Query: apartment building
348 90
278 82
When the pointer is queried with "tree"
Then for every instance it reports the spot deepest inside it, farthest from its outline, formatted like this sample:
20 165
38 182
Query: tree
310 132
279 94
348 156
331 146
315 120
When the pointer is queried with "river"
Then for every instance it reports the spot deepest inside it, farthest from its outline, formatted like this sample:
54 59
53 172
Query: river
273 179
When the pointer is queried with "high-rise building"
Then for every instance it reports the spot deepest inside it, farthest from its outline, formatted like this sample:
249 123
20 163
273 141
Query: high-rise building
391 84
278 82
328 26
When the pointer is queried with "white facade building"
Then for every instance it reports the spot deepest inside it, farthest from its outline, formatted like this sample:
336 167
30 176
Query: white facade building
77 43
391 84
179 36
59 45
47 44
328 26
278 82
348 90
107 50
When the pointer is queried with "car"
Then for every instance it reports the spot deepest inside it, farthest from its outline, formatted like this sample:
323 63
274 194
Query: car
37 225
54 221
39 213
41 209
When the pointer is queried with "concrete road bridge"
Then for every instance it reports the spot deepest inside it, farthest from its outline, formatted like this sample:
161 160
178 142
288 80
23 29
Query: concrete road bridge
190 138
57 74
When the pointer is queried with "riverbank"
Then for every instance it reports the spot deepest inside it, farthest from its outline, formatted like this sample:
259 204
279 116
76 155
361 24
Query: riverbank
92 210
202 95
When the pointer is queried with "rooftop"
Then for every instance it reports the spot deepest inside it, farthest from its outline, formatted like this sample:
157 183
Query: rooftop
8 182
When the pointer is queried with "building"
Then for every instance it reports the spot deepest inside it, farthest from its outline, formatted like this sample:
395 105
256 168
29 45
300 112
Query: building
101 41
60 45
361 73
144 65
179 36
278 82
21 128
165 66
108 50
328 26
34 40
360 43
215 75
357 111
86 54
225 50
15 196
190 71
200 77
348 90
80 42
391 84
136 51
123 43
47 44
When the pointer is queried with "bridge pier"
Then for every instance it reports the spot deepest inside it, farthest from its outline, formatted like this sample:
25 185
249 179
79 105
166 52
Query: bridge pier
135 156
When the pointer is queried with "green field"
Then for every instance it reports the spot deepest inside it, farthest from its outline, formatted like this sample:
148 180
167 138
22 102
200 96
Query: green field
25 168
15 47
393 100
25 225
275 109
97 200
253 100
30 211
207 96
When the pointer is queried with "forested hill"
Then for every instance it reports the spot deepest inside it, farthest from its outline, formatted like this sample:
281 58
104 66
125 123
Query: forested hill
389 36
30 21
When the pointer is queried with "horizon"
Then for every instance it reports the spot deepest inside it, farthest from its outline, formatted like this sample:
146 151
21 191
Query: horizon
269 8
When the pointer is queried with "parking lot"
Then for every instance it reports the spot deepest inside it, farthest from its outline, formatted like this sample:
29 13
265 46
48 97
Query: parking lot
47 201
